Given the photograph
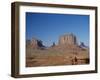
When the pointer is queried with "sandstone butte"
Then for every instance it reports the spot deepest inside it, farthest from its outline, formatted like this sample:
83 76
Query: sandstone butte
66 52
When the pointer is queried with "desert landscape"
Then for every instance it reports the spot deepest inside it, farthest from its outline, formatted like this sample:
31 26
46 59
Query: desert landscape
67 52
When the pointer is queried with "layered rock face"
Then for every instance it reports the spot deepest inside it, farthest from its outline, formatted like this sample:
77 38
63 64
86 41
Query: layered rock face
34 43
68 39
66 52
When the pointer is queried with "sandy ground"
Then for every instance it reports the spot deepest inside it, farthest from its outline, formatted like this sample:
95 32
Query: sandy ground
55 56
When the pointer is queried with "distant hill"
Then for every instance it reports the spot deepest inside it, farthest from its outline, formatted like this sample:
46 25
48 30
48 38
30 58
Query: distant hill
82 45
34 43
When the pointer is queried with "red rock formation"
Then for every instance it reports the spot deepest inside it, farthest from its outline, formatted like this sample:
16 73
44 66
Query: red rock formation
69 39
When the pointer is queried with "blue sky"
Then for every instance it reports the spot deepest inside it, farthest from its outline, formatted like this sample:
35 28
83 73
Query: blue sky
48 27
